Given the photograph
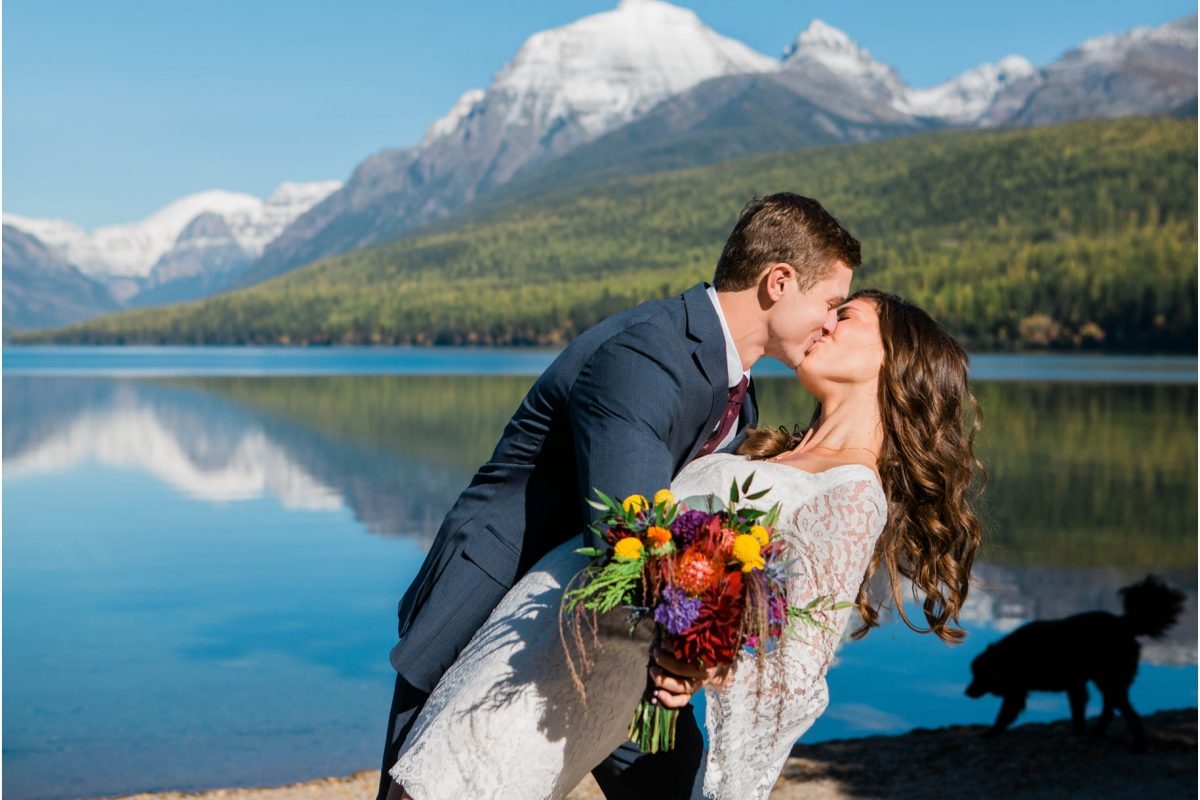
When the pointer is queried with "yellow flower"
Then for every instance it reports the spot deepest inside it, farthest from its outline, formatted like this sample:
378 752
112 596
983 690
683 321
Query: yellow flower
635 503
747 550
658 536
761 534
629 549
663 497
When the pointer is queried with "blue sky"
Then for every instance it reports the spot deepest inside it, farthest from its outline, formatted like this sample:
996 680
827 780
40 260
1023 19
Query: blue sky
113 109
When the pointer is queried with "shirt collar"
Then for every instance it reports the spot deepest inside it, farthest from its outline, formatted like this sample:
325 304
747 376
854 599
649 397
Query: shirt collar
733 361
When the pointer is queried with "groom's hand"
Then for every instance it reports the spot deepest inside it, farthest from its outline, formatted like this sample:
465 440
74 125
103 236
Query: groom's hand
675 682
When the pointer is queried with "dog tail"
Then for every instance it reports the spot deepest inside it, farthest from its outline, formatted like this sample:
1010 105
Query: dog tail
1151 606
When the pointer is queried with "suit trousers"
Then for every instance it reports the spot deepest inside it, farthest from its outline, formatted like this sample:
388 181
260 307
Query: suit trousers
627 774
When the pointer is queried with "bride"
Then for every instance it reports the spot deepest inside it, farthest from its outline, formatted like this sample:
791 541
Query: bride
881 478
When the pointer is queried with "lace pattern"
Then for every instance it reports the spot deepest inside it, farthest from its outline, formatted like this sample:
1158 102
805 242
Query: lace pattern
830 521
505 720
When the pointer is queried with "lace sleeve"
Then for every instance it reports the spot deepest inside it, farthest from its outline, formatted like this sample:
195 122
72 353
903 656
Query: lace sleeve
754 719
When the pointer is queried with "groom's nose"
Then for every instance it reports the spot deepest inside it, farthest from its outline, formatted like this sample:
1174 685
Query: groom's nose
831 321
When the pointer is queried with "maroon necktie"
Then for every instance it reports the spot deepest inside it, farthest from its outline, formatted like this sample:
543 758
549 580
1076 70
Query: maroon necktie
732 412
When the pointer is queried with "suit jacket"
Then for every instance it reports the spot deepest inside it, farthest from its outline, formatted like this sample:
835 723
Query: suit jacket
622 409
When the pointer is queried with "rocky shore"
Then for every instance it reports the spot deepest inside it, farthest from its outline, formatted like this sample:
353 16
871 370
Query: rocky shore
1040 761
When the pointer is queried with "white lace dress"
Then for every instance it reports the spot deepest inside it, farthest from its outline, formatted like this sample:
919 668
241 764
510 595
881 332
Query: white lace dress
506 721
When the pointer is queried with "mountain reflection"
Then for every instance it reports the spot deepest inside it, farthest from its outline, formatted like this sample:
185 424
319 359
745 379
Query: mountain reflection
1092 486
215 449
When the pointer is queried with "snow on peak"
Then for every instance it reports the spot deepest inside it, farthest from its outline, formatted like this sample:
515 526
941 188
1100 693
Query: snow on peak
605 69
298 192
461 109
828 47
255 228
965 98
820 35
1114 47
132 249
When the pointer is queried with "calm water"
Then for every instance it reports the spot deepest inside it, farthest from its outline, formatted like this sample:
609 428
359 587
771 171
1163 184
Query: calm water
203 548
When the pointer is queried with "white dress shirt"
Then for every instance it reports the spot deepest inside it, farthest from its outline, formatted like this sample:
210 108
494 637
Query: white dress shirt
733 370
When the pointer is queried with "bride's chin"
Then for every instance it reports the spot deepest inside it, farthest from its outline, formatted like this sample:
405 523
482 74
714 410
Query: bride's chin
810 382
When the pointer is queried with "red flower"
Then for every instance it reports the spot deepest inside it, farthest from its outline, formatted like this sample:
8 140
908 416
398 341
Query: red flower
616 533
714 638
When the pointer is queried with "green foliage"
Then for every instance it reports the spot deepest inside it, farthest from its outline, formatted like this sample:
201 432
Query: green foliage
603 588
1078 474
1072 236
807 613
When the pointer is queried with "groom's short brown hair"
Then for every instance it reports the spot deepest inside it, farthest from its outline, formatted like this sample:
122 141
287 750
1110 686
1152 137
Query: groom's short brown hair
787 228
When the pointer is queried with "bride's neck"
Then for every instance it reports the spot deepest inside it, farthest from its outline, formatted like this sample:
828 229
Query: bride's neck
849 421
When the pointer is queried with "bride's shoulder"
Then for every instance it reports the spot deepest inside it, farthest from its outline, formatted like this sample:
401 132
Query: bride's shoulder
705 468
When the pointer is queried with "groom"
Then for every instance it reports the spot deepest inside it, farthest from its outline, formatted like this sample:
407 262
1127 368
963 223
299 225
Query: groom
623 409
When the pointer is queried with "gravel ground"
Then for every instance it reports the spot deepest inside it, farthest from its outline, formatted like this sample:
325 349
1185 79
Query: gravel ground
1040 761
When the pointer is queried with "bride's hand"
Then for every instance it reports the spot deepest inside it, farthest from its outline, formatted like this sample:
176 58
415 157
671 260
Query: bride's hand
675 682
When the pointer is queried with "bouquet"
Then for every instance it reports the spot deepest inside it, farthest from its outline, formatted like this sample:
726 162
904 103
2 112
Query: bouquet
710 575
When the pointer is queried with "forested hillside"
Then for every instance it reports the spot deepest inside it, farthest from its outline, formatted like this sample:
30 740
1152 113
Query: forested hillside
1073 236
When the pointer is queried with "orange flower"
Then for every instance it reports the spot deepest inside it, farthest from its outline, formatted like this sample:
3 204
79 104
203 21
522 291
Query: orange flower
696 572
658 536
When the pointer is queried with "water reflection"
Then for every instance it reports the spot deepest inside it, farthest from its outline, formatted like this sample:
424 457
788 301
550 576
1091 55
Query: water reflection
1090 486
206 611
125 427
1079 474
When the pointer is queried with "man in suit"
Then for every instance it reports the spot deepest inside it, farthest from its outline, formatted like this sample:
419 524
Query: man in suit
623 409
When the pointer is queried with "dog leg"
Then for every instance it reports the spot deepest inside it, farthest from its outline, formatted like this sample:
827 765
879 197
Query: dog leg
1078 695
1106 715
1013 705
1135 724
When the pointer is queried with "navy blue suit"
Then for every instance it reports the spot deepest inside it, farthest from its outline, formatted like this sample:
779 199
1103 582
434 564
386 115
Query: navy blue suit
622 409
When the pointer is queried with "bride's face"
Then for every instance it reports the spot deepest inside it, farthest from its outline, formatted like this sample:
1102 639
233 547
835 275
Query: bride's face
851 354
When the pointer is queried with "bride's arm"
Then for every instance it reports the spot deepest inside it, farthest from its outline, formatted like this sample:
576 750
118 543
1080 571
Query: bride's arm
757 714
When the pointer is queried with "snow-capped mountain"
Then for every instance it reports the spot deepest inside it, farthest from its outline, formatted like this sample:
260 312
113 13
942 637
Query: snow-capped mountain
966 98
843 76
42 289
569 86
643 87
1148 70
166 246
587 77
564 87
823 48
132 249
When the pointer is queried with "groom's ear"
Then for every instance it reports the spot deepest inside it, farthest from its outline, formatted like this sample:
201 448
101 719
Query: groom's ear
776 278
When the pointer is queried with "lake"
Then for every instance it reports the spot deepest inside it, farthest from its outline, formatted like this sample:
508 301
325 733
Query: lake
203 547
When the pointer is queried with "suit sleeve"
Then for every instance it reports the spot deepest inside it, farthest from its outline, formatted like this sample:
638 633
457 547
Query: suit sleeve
622 408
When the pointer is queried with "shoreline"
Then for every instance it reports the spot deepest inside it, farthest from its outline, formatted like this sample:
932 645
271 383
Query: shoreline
1037 761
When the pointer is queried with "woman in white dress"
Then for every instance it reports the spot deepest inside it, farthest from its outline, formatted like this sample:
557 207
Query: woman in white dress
882 477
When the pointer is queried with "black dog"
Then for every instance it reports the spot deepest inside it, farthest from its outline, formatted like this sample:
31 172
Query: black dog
1063 655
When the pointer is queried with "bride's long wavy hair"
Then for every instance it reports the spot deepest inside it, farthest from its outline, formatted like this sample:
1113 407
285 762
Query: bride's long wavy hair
927 466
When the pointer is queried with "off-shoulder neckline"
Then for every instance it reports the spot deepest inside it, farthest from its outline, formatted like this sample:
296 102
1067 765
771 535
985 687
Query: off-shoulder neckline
874 476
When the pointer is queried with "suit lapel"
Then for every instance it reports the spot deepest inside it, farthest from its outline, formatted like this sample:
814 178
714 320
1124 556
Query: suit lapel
708 353
749 416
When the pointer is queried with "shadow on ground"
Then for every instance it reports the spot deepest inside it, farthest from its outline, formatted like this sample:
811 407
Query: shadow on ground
1031 762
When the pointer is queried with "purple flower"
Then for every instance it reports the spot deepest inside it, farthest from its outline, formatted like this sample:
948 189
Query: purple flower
687 527
776 611
677 611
